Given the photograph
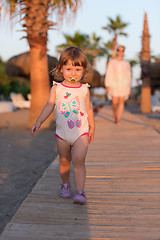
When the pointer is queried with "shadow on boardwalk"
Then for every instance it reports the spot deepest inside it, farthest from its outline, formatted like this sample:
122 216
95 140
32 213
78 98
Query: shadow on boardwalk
23 160
109 119
122 188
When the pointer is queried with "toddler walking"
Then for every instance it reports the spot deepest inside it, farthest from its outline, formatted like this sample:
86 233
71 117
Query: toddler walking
74 120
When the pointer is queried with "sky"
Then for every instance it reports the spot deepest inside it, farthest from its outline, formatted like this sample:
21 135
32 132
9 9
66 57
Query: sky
91 17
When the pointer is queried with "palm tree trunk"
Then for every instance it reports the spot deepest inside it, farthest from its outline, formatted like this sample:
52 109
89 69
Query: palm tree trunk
39 84
145 66
145 105
114 43
94 62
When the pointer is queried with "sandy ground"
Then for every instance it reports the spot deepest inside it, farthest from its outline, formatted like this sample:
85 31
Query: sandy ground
24 159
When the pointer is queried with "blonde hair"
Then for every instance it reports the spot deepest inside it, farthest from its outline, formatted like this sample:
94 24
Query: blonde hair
76 56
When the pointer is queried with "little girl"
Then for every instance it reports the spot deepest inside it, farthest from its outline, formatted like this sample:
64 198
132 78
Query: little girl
74 120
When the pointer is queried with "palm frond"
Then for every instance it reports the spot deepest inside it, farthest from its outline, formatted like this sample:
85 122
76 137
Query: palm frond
123 34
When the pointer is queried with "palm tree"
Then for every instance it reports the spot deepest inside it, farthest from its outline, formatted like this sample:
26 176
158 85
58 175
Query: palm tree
145 104
116 27
133 62
95 50
108 50
34 18
155 58
77 40
89 45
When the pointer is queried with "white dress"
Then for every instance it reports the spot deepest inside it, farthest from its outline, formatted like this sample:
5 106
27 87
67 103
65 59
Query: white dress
71 115
118 78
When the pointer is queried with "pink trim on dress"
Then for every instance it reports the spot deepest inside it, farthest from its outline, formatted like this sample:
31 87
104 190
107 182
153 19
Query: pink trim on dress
70 86
86 133
56 135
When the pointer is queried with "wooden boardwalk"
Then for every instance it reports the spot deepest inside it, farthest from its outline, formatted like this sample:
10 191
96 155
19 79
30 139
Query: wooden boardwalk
122 188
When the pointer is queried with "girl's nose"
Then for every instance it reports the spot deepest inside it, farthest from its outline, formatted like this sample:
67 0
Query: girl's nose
73 72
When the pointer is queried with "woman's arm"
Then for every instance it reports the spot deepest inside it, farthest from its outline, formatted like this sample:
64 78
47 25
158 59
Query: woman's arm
90 114
129 76
108 77
47 110
129 73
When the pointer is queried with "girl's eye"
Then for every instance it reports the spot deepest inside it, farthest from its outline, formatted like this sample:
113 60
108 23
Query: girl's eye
68 69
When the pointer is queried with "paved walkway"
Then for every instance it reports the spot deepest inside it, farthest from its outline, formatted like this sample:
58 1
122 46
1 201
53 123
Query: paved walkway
122 188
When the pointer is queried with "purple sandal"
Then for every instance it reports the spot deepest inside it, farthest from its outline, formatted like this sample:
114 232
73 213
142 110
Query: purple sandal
79 198
65 191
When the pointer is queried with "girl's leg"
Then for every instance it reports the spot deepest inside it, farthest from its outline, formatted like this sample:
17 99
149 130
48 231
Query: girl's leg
114 107
80 148
120 109
64 150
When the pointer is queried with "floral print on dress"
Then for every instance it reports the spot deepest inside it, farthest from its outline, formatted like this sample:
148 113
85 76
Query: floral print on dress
67 95
71 111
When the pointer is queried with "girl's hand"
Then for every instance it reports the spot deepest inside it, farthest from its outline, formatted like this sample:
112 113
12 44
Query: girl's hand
35 127
91 135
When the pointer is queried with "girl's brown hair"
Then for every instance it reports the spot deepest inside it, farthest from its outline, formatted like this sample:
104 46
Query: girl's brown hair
77 57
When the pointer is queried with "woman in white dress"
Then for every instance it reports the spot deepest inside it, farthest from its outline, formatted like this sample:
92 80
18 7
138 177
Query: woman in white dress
117 82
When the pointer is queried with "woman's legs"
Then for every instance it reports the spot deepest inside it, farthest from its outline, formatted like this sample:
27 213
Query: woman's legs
117 107
64 150
114 108
120 109
80 148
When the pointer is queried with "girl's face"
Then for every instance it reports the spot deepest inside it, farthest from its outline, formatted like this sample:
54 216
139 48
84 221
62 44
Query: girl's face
72 73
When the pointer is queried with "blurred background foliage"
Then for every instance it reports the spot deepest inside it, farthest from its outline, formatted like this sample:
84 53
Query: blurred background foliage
12 84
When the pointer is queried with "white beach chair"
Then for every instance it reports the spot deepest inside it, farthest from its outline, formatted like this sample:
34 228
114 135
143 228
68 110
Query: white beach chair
19 101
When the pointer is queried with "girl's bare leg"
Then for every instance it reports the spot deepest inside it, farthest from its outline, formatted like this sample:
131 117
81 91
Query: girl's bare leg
80 148
64 150
120 109
114 107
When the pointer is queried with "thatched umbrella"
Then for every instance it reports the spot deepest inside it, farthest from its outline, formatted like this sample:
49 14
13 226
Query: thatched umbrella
155 76
20 66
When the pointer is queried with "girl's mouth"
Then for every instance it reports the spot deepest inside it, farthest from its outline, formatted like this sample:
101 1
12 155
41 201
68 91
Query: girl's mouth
73 79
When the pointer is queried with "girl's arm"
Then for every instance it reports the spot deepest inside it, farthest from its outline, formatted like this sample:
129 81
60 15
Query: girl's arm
90 116
108 76
47 110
